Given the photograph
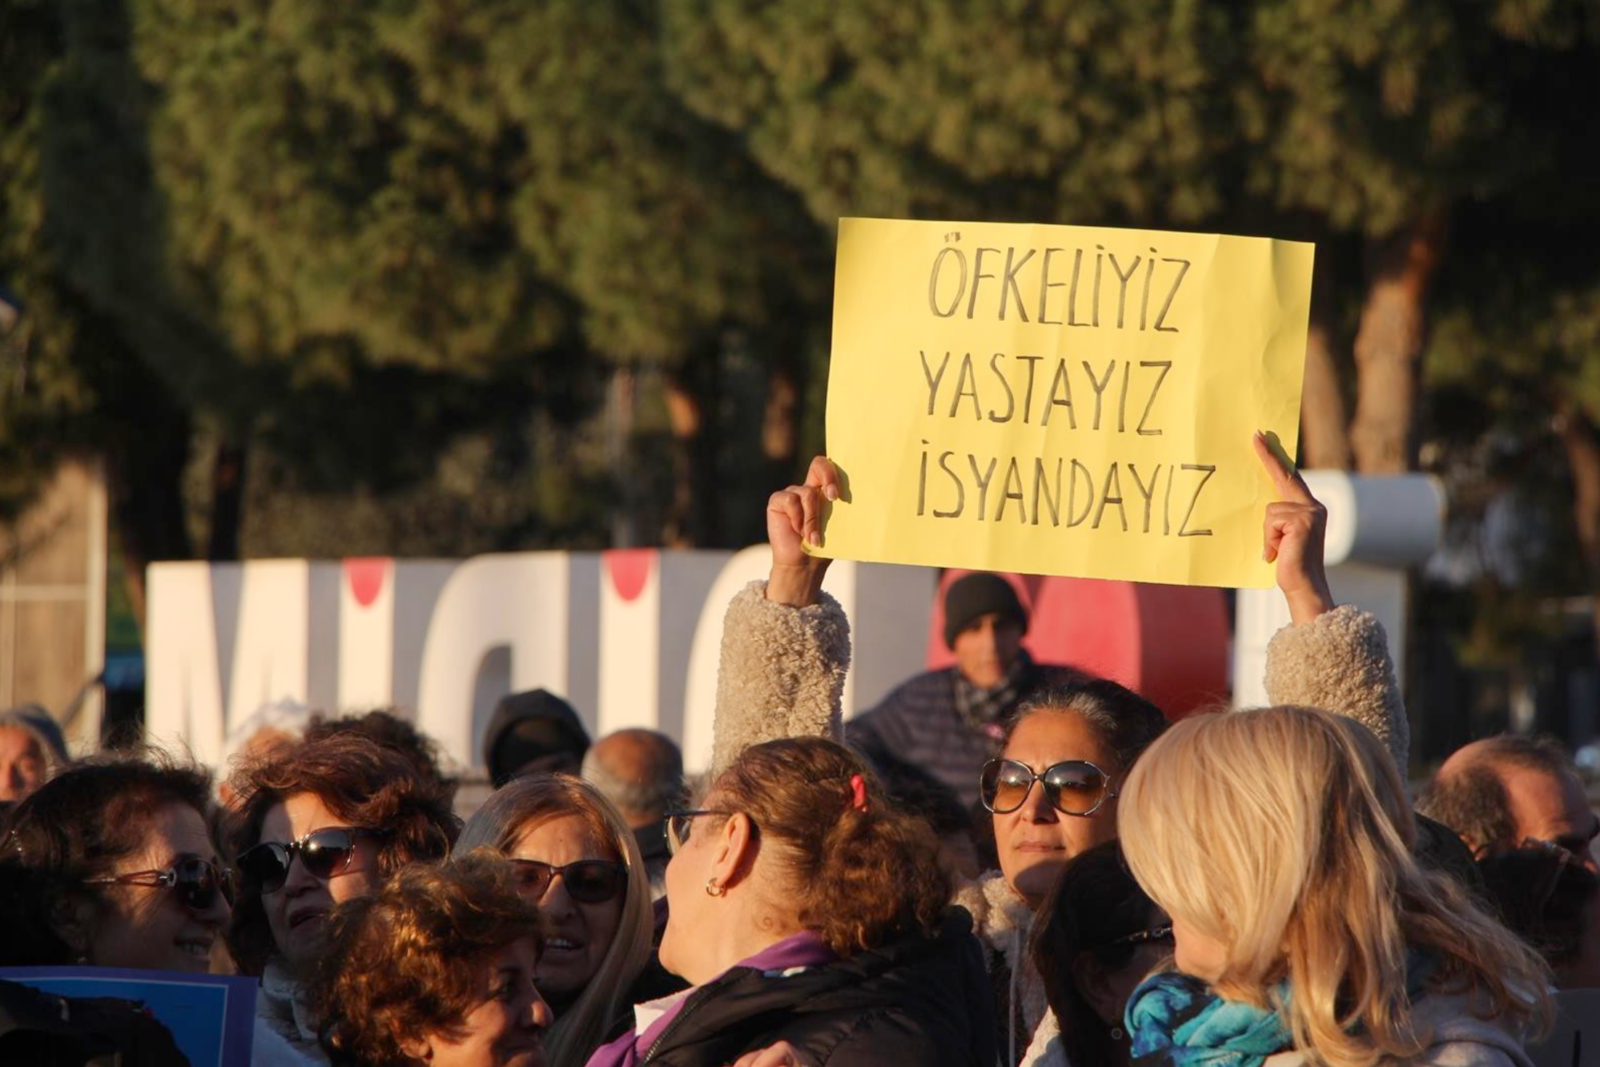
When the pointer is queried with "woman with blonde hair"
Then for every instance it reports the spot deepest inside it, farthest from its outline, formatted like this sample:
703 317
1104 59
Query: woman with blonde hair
1279 842
577 859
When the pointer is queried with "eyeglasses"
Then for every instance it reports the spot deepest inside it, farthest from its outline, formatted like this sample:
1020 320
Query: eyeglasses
197 882
586 881
1073 787
1155 933
324 853
681 823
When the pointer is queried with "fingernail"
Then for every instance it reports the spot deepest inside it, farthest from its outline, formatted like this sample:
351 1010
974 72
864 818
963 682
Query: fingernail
831 492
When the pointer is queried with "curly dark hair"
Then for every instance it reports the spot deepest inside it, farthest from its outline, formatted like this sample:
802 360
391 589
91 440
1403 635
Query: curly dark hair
392 731
364 783
82 822
863 878
409 958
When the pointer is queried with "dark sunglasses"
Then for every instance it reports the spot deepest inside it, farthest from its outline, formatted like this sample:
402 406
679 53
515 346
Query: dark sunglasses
196 882
323 853
586 881
1073 787
681 823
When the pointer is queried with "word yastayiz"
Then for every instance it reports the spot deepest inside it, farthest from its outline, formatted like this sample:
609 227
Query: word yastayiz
1059 286
1030 390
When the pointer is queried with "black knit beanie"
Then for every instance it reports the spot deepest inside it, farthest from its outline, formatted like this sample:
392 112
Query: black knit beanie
979 594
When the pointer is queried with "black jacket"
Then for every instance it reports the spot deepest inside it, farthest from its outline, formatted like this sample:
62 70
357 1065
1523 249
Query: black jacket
922 1002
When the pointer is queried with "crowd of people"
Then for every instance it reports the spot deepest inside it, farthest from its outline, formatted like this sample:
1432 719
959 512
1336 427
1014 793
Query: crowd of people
1004 863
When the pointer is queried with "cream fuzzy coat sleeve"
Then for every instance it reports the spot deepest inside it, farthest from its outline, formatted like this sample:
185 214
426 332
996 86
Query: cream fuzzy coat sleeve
1340 662
781 675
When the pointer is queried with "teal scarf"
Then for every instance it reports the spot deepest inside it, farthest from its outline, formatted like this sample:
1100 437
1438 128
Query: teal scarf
1175 1019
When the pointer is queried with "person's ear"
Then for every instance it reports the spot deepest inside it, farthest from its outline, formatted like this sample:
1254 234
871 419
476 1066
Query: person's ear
735 850
416 1047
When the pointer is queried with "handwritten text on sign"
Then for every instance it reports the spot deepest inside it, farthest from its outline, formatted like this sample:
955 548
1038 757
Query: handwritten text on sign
1061 399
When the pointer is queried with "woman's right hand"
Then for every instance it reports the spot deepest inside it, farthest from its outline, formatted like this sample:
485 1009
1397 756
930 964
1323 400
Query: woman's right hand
794 515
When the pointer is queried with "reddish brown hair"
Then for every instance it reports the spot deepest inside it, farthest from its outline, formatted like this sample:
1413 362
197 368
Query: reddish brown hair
409 959
863 878
365 784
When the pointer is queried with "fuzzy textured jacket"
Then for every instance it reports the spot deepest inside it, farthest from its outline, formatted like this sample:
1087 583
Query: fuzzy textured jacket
284 1032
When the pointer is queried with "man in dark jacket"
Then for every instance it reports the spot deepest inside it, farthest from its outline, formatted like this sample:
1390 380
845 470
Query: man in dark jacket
533 731
950 722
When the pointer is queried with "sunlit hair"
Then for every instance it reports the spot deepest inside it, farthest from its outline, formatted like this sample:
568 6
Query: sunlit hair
1124 722
363 783
79 825
1283 833
861 877
504 819
410 958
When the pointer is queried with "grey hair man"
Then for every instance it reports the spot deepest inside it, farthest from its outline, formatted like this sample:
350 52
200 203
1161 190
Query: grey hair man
1506 792
641 772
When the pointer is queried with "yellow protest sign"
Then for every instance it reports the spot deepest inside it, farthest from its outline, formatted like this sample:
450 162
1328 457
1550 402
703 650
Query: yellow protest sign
1061 399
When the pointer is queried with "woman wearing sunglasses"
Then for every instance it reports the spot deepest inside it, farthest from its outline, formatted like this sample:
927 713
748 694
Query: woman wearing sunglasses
126 841
577 859
809 916
1053 787
320 823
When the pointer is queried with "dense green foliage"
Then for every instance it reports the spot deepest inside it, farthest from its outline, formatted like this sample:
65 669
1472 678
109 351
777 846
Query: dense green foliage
394 252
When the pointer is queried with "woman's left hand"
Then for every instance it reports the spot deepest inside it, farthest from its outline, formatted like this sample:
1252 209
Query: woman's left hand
782 1054
1296 527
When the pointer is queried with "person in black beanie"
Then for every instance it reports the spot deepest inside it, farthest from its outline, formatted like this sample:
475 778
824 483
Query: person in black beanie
951 722
532 732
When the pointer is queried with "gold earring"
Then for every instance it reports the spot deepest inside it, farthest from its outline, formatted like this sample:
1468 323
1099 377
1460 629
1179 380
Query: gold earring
713 889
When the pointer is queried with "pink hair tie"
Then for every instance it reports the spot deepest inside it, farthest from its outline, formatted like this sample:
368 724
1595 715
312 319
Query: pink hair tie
858 793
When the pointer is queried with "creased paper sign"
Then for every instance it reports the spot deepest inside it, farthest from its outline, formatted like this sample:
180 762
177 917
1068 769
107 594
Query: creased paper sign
1061 399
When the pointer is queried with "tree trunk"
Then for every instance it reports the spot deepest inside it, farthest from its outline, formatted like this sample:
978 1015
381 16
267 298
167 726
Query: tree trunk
1324 438
144 488
227 501
1389 343
780 428
686 415
1582 443
620 396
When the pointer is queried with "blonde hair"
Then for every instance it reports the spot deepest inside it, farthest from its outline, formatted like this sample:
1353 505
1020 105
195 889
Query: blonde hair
501 822
1284 834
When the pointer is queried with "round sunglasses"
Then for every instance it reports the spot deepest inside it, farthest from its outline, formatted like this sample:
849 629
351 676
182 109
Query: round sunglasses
195 881
324 853
1073 787
586 881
